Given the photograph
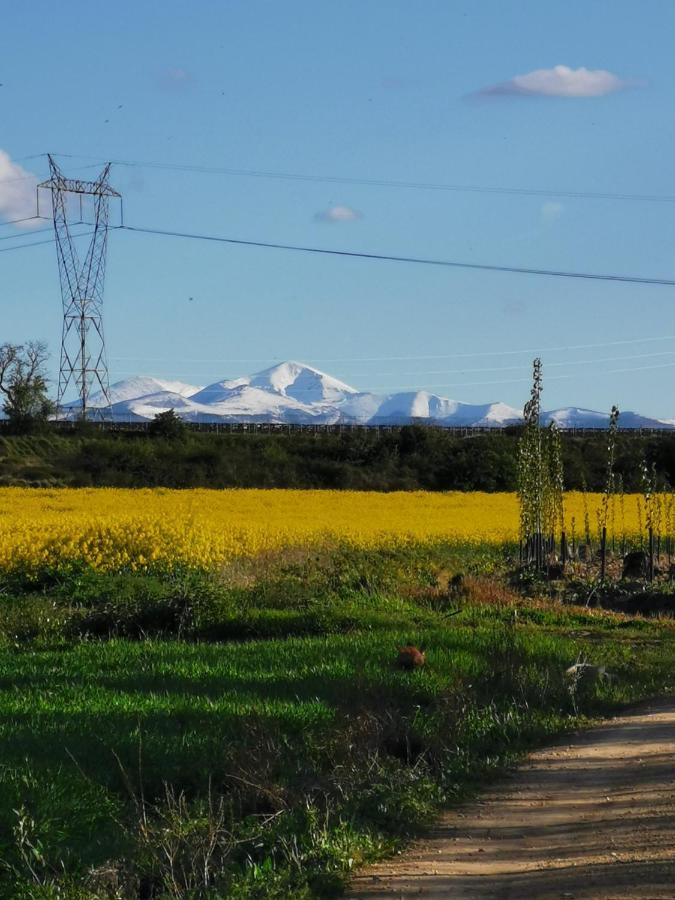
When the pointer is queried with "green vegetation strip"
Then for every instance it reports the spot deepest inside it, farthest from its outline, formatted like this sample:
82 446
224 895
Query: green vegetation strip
408 458
147 751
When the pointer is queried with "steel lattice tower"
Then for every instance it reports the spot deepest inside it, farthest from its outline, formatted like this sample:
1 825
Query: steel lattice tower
83 357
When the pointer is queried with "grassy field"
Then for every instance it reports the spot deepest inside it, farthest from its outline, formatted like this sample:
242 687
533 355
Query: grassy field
246 733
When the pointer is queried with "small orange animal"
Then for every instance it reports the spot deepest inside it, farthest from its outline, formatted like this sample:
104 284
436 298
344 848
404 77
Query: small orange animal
410 657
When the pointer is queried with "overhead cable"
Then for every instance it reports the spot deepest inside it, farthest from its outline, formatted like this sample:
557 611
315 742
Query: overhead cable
19 222
50 240
381 182
415 260
343 359
516 368
460 384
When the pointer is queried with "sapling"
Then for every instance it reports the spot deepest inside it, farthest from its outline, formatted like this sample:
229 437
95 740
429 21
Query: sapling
648 479
609 484
530 474
587 519
622 513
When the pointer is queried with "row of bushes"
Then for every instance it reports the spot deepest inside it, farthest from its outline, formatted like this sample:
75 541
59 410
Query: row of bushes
411 458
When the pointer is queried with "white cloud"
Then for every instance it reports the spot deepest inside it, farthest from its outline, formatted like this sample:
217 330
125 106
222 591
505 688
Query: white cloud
338 214
17 190
175 78
561 81
550 211
514 308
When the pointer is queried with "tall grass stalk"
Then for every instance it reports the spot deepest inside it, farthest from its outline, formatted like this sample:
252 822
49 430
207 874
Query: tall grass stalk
587 518
648 479
609 486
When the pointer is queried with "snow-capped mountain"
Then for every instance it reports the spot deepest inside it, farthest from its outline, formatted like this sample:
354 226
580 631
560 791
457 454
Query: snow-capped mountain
138 386
294 393
422 406
574 417
288 392
303 383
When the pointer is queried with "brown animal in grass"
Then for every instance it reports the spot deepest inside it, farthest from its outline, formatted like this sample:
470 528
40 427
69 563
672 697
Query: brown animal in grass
410 658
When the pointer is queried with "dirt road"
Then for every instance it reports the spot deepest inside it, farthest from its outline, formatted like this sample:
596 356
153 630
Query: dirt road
590 817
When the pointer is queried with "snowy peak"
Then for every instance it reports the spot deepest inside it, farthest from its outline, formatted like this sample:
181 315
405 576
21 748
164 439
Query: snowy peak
303 383
218 391
416 405
500 414
577 417
291 380
574 416
294 393
138 386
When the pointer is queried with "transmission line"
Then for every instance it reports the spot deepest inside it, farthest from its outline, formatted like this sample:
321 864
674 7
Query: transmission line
343 359
382 182
481 369
18 178
391 389
415 260
21 234
38 243
382 257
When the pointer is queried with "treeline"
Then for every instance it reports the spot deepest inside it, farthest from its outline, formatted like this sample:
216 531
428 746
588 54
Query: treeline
410 458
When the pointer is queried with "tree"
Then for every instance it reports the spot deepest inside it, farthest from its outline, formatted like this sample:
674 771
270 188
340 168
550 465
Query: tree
167 424
23 384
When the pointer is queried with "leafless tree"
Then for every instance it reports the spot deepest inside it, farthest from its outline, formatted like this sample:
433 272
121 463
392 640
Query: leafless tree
23 384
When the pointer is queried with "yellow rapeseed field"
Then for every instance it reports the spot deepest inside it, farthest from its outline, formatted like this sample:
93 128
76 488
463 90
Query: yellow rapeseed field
117 529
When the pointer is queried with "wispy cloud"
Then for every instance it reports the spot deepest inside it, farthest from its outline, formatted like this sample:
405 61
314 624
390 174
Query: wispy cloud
560 81
175 78
17 190
551 211
338 214
514 308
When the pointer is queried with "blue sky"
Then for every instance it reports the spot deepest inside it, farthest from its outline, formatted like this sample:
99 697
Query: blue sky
395 91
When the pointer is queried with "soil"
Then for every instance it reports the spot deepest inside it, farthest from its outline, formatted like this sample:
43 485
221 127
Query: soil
592 816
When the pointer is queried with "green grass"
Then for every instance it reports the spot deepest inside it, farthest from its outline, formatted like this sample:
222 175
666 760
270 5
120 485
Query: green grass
138 726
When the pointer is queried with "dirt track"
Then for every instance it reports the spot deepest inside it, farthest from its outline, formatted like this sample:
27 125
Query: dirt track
590 817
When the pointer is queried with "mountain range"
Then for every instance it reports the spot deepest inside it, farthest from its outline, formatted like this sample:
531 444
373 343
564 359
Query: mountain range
294 393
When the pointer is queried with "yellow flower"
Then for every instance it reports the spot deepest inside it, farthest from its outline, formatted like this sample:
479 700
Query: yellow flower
114 529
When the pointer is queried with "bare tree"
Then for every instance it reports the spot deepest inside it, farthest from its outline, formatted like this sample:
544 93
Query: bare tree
23 384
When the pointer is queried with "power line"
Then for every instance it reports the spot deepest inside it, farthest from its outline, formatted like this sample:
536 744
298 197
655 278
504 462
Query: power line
24 246
528 350
343 359
547 365
18 178
643 368
437 386
31 177
416 260
39 243
382 182
32 156
18 222
391 390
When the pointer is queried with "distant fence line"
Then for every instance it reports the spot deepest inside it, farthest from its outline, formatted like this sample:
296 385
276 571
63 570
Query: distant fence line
69 426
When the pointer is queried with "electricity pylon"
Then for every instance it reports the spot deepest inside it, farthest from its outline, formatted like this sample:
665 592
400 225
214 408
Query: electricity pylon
83 357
